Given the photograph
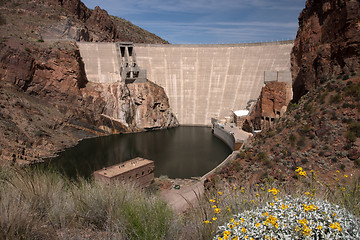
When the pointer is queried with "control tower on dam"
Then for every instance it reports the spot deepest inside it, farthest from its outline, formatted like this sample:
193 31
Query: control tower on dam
210 81
201 81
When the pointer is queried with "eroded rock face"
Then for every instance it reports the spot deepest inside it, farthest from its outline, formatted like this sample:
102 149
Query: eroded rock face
327 43
271 104
48 104
152 109
82 24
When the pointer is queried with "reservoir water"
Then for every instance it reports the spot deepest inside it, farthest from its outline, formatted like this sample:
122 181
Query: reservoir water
181 152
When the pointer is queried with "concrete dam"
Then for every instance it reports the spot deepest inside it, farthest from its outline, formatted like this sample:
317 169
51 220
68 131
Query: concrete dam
201 81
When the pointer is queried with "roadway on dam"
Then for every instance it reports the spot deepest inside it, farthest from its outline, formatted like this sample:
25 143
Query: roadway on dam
201 81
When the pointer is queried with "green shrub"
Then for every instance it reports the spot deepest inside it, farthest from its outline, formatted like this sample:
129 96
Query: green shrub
335 98
350 136
355 128
270 133
324 79
2 20
309 107
301 142
262 156
348 105
292 106
353 90
346 77
357 162
292 139
297 117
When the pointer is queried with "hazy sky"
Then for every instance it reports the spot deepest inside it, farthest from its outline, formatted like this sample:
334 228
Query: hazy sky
210 21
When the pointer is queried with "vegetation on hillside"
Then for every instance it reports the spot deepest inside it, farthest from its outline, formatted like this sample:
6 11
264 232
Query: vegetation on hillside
320 132
44 205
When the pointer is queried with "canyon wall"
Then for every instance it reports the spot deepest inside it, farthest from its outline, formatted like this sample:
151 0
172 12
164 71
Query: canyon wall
327 43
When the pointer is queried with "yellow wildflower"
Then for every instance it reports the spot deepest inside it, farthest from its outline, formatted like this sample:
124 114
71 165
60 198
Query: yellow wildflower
319 227
214 218
310 207
336 225
232 220
274 191
227 233
257 225
345 176
307 193
212 200
236 223
242 220
217 210
207 222
243 230
220 193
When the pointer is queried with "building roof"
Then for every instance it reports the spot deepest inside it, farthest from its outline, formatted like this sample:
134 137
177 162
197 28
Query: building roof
123 167
241 113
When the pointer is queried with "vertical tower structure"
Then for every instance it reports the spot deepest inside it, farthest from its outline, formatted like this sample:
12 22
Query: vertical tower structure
111 62
129 69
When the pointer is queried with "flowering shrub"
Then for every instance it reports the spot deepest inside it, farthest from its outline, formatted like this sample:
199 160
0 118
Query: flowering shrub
292 218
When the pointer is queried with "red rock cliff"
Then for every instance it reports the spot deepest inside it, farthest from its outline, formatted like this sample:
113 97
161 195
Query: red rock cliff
327 43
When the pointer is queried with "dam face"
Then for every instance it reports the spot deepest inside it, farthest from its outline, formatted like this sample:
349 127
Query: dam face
201 81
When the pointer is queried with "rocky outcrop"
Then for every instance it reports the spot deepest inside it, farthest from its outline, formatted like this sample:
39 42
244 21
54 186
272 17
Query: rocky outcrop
272 103
152 109
327 43
49 105
82 24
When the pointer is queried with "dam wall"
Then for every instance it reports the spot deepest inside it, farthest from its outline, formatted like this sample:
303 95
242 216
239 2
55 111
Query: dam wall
209 81
201 81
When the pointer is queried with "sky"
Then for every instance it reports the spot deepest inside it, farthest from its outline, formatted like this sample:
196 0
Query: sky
210 21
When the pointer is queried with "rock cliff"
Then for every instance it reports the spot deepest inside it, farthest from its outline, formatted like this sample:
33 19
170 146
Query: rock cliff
79 23
327 43
46 102
271 104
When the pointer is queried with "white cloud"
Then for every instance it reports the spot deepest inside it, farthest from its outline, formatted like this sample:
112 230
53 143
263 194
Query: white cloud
209 21
186 6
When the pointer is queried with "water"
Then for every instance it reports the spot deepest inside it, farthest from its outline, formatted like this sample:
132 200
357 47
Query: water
181 152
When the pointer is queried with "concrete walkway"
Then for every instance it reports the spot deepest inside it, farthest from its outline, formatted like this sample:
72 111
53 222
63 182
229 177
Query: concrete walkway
188 194
190 189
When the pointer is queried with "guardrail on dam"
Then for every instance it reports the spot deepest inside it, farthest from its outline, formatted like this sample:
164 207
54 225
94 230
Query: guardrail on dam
201 81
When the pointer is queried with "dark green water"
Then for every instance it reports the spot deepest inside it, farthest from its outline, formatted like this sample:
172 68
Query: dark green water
181 152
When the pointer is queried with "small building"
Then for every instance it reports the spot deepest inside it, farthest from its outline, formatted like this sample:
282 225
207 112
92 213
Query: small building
139 170
239 117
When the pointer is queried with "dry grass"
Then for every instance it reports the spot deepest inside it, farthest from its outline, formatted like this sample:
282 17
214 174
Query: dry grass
37 205
33 204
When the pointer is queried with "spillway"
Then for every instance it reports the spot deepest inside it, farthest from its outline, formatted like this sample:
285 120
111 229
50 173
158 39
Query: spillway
201 81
